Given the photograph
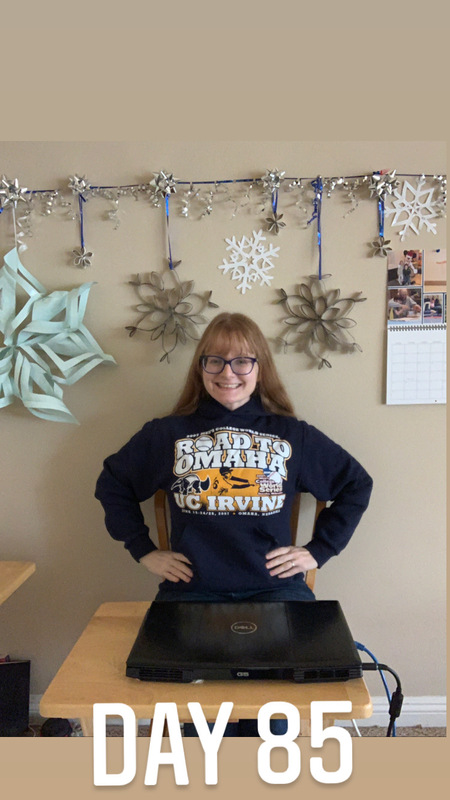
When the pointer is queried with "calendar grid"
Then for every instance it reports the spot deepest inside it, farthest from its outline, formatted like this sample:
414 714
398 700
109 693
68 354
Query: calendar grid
416 364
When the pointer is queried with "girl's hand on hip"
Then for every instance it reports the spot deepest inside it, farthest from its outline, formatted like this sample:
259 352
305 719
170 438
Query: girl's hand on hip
288 561
173 567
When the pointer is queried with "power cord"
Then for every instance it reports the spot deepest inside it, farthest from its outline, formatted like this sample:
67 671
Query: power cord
396 700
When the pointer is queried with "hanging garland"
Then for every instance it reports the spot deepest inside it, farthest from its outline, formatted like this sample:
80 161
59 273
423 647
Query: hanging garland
320 315
413 207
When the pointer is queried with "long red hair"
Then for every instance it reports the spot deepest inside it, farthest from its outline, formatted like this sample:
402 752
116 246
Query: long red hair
224 332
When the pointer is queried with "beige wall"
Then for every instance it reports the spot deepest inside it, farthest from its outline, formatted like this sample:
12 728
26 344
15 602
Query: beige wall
391 578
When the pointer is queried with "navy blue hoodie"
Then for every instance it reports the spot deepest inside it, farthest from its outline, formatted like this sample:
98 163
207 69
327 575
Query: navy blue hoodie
231 477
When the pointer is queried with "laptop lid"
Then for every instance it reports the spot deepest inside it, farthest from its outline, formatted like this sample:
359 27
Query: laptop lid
294 640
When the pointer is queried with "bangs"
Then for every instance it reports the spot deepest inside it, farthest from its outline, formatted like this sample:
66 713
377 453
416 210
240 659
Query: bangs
233 332
223 341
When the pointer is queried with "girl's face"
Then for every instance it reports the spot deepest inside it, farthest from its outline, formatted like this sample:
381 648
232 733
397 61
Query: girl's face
231 390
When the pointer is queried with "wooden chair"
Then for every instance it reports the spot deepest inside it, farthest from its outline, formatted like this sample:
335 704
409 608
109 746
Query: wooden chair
162 525
310 576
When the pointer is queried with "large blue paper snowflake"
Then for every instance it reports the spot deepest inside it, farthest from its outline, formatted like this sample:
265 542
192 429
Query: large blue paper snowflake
45 344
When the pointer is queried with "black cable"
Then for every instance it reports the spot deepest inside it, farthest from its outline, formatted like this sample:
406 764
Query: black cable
395 705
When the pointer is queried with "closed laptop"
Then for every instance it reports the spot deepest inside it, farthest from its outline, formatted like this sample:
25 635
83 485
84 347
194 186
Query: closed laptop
293 640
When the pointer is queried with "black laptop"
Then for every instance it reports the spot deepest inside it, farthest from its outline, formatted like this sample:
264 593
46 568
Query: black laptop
299 641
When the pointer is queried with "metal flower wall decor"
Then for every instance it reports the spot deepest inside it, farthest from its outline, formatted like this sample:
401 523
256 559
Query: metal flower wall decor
169 314
318 320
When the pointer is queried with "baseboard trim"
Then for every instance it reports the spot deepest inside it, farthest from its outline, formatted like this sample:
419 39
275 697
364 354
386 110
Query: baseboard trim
428 711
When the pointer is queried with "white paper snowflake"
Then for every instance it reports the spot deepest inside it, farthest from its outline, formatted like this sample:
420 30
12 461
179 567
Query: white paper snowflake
250 261
413 209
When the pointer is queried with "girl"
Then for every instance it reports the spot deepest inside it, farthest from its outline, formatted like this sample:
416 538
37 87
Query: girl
231 456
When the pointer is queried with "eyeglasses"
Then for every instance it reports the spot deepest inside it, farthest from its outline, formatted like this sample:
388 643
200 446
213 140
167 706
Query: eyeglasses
241 365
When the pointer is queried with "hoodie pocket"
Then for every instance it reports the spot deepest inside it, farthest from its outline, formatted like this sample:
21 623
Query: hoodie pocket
227 558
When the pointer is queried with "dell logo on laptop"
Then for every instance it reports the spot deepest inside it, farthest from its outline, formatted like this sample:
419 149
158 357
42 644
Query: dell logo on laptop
244 627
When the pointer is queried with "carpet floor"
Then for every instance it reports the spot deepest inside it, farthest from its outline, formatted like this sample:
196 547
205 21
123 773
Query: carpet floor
366 730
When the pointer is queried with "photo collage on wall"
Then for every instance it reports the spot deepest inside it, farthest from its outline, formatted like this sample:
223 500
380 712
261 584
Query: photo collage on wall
417 287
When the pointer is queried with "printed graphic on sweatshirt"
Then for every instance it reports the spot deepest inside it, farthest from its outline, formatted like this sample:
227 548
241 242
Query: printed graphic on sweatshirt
230 471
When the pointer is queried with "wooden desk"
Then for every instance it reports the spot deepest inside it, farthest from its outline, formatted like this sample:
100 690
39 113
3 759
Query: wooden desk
12 575
94 672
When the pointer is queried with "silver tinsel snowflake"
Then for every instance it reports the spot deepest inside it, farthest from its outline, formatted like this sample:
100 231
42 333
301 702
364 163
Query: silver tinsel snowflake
318 320
11 193
78 184
382 184
250 261
272 179
173 314
163 183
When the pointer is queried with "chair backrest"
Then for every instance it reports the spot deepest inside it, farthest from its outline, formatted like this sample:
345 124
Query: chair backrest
310 576
162 525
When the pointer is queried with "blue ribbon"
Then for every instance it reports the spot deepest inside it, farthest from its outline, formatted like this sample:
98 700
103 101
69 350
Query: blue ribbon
274 201
380 211
318 188
81 200
168 232
381 217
